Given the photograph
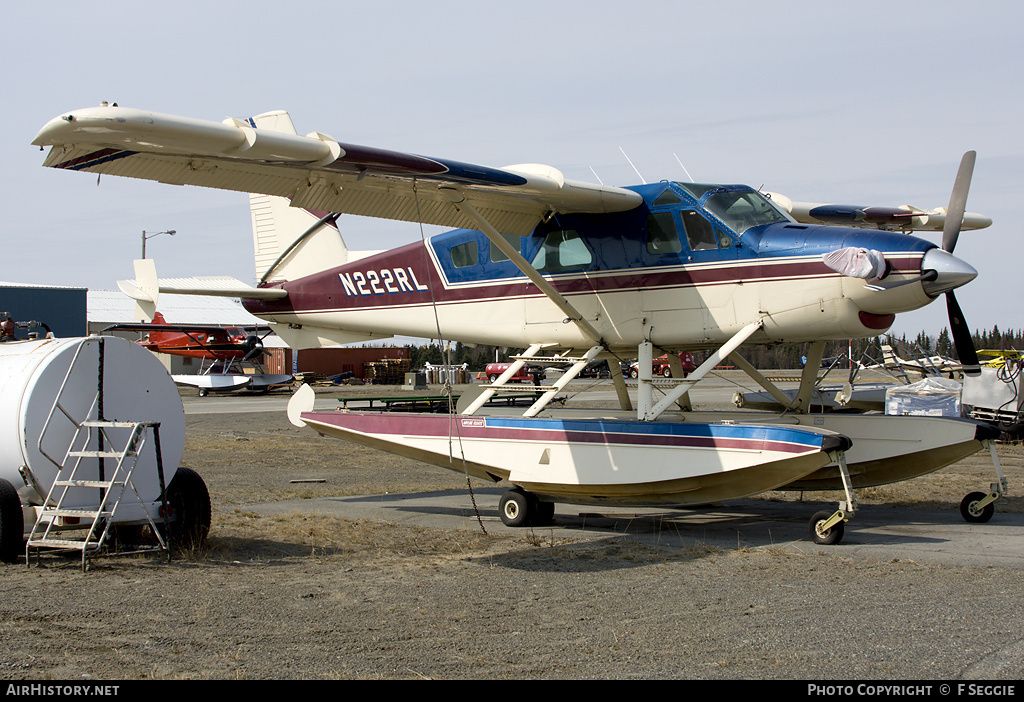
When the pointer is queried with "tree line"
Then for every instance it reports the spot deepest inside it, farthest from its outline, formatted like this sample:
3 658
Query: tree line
780 356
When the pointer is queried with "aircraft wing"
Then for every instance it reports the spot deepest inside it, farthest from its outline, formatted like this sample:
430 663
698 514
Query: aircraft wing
904 217
315 171
217 331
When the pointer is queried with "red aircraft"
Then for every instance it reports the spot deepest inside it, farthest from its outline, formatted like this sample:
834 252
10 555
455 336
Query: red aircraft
223 350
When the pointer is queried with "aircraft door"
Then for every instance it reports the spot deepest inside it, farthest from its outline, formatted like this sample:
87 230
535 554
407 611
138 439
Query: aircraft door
707 242
671 305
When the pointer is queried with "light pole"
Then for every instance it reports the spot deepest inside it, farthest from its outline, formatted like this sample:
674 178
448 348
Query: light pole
172 232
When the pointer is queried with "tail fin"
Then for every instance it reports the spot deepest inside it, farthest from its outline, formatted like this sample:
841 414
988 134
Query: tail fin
277 226
153 338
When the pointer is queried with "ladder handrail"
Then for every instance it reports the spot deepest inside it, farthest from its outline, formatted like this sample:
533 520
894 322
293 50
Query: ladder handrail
57 405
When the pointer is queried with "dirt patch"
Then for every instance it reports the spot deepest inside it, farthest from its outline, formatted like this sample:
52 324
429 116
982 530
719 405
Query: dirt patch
298 598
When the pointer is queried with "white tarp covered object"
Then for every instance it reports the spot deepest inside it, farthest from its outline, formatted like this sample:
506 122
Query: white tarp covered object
855 262
931 397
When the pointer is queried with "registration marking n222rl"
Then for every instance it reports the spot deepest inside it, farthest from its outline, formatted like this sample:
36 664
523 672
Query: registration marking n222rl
388 281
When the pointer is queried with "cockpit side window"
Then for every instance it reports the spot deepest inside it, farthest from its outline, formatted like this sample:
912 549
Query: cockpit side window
662 236
699 232
562 250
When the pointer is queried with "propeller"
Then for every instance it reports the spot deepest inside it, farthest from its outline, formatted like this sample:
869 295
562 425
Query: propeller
253 346
959 330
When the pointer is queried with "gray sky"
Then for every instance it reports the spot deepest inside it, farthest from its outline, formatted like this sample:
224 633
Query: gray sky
868 103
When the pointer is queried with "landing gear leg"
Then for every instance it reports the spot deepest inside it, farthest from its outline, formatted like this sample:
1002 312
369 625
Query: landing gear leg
978 507
826 527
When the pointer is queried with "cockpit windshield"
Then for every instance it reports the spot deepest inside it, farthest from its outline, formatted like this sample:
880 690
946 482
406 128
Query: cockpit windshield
738 208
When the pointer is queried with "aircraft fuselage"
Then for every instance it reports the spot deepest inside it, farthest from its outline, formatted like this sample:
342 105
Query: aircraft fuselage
678 271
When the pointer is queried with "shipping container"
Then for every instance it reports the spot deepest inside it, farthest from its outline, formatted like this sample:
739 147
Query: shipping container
359 361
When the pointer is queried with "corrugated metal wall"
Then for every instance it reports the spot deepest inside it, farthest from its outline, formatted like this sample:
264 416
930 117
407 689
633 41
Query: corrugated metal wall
63 310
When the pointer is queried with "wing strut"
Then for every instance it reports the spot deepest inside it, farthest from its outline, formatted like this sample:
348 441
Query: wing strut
462 205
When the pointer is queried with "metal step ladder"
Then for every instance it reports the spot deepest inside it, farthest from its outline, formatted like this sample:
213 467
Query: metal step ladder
56 516
81 468
547 392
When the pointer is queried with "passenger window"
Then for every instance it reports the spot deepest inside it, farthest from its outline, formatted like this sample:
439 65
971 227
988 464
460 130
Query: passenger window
514 241
465 255
662 236
562 250
699 232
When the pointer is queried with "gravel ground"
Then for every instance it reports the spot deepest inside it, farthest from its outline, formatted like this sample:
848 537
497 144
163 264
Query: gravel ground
299 598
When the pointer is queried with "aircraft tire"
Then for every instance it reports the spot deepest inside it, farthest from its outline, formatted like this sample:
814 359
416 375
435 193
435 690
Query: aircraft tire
515 509
189 503
12 523
971 514
826 538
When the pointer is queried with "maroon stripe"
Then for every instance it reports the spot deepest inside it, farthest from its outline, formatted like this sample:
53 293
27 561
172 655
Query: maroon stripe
324 291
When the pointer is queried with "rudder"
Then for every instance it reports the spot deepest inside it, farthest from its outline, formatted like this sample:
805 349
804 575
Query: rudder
276 227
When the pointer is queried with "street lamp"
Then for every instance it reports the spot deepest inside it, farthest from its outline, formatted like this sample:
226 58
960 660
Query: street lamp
172 232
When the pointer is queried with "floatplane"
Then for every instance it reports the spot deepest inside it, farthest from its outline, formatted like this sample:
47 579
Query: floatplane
571 272
230 356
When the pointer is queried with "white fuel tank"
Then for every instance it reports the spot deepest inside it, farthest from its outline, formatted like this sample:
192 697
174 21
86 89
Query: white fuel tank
34 377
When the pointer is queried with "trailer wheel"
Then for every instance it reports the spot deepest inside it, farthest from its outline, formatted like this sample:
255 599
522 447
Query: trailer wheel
545 513
12 523
515 508
190 512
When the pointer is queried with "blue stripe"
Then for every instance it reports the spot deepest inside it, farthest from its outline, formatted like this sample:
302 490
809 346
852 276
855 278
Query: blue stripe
85 165
730 431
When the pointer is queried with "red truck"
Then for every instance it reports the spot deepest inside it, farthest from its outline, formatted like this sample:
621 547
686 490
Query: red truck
662 367
531 374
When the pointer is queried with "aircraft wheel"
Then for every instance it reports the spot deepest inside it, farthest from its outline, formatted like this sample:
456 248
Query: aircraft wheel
515 508
189 503
970 512
12 523
826 537
203 392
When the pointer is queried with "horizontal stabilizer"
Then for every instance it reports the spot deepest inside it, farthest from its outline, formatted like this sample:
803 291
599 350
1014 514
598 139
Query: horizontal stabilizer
214 286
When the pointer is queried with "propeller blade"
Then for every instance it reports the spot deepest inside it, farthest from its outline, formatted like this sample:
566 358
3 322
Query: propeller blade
958 202
254 346
962 337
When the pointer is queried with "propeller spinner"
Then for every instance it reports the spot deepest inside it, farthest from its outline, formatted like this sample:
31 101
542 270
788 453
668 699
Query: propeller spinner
253 346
